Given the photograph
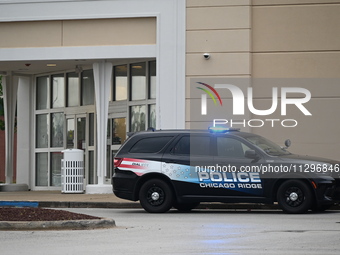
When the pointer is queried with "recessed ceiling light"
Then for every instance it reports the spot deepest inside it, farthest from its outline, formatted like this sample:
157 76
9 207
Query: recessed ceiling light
137 67
51 65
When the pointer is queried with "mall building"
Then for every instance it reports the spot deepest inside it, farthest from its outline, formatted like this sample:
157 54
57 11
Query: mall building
80 74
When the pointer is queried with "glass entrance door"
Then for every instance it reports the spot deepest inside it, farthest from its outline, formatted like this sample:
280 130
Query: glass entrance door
76 132
80 135
70 133
116 136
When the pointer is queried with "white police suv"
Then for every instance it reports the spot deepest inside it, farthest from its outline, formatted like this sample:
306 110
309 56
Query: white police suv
181 168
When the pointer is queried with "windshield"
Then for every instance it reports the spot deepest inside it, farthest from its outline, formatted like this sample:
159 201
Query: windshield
267 146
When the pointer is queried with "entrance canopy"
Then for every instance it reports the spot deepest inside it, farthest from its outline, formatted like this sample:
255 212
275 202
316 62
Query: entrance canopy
81 35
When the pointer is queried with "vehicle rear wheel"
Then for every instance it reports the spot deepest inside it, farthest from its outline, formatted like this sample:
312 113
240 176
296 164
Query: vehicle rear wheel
156 196
185 207
294 196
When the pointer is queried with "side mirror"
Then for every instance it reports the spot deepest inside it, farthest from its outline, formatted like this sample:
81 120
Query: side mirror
251 154
287 143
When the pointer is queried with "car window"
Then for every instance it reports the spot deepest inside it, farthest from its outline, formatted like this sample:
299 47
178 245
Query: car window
267 146
193 145
150 144
230 147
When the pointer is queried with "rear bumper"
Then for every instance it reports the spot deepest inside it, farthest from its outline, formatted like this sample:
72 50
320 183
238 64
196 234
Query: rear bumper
124 184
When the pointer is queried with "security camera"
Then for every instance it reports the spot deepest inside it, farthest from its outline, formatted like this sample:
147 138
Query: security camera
78 69
206 55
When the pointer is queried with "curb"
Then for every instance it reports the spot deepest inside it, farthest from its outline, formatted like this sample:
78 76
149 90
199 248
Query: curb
58 225
136 205
58 204
64 204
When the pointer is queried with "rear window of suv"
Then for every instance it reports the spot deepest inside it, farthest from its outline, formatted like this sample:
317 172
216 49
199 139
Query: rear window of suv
150 144
192 145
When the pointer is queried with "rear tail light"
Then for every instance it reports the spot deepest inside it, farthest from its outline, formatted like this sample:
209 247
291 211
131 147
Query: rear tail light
117 162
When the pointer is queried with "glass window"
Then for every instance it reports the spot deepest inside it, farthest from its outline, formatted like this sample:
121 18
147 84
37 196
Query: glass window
70 133
230 148
108 130
58 90
92 179
72 89
108 161
42 92
91 129
137 118
87 88
152 115
57 130
81 133
56 158
41 176
183 146
152 79
138 81
193 145
268 146
120 82
41 131
118 130
150 145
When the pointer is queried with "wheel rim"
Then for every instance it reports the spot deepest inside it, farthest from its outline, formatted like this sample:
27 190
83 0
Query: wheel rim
155 196
294 196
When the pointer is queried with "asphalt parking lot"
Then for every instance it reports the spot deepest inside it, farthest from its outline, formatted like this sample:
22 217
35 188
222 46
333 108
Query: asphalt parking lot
203 231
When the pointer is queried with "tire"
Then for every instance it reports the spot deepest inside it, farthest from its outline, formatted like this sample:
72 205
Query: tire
185 207
156 196
295 196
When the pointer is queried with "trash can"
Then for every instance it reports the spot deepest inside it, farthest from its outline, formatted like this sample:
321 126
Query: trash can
72 171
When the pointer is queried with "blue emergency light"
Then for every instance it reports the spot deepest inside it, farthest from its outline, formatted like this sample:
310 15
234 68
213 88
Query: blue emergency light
220 129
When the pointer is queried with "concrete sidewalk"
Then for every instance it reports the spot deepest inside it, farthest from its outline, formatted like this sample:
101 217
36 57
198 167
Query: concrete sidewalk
57 196
57 199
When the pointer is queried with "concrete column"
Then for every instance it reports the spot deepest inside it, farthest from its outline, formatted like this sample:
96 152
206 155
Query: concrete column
102 72
24 124
10 89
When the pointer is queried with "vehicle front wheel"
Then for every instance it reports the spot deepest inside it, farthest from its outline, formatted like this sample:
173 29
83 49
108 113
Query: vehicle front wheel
294 196
156 196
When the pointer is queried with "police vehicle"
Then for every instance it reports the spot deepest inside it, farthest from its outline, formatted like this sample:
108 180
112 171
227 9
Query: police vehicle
181 168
